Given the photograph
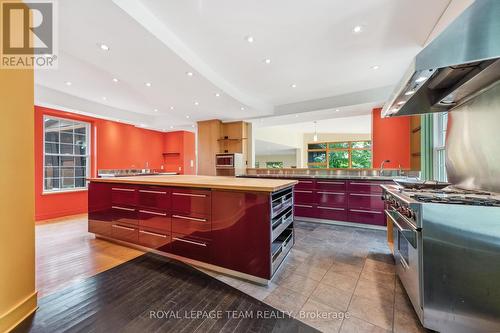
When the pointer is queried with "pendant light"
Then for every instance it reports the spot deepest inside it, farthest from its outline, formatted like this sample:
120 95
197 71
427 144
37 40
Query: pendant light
315 137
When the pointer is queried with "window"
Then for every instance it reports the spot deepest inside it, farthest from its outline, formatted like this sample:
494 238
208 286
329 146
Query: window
274 165
340 155
441 122
66 154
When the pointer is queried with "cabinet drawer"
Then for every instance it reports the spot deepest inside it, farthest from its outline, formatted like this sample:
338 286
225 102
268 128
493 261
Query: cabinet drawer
306 184
123 214
154 197
191 247
366 200
332 185
123 195
100 227
331 199
304 210
366 216
191 201
365 186
191 225
303 196
155 239
331 213
158 219
125 233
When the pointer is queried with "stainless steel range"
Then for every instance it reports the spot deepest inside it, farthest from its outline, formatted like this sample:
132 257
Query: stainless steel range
447 252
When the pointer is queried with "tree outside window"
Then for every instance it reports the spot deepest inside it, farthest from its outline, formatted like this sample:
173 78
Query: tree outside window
340 155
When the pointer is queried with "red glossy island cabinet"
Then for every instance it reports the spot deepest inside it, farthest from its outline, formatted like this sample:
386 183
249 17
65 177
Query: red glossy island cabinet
346 200
244 232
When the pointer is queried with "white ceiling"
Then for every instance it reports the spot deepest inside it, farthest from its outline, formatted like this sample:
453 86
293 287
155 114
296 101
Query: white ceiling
310 44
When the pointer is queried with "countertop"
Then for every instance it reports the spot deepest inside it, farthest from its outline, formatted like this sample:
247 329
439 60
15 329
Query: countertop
297 176
212 182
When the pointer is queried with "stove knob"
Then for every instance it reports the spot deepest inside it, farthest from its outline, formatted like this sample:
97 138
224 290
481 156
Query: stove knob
409 213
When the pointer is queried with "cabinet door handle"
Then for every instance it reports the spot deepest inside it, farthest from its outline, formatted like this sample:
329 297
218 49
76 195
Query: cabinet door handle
152 213
334 183
305 181
365 211
190 242
190 195
330 208
364 195
122 189
189 218
122 227
152 192
123 208
152 234
304 206
364 184
336 193
300 191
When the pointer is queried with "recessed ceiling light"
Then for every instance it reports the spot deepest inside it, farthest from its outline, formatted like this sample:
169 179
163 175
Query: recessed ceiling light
189 73
115 79
171 127
357 29
104 47
242 108
337 110
421 79
217 95
293 85
187 117
104 98
296 116
249 39
196 103
148 84
155 110
143 125
171 108
193 126
68 83
409 92
375 67
267 61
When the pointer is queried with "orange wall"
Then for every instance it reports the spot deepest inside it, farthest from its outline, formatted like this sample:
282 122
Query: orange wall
180 150
119 146
391 140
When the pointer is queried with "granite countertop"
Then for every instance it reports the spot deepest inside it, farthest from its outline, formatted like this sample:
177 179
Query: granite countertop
212 182
297 176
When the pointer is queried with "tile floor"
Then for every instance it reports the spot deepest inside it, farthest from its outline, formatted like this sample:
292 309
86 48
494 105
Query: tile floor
335 272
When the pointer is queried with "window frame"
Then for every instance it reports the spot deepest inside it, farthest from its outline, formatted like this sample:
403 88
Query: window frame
327 150
88 136
439 146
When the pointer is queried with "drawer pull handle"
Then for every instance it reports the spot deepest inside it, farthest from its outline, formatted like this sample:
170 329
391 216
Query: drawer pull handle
335 193
364 195
153 213
365 211
152 234
190 242
190 195
122 227
152 192
365 184
123 208
300 191
122 189
305 181
189 218
334 183
304 206
330 208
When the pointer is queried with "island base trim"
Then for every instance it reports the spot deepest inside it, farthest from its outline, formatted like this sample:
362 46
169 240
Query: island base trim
192 262
342 223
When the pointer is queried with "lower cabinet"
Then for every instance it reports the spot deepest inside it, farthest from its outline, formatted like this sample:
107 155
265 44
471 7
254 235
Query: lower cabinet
331 213
305 210
126 233
191 247
366 216
155 239
100 227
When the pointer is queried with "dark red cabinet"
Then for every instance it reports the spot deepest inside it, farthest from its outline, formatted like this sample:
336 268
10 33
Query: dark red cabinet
188 224
122 214
191 247
191 201
331 185
331 199
153 218
304 210
306 184
155 239
126 233
367 216
154 197
303 196
331 213
365 186
123 195
366 200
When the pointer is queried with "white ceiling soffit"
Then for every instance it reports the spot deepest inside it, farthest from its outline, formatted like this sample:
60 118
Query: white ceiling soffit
270 148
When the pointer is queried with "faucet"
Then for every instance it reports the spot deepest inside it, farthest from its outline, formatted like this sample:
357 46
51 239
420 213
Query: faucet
381 171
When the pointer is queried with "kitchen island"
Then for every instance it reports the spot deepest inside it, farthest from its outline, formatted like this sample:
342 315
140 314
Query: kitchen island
237 226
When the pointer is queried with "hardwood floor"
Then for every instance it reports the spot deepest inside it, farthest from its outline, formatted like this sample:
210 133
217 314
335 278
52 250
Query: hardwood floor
67 253
151 294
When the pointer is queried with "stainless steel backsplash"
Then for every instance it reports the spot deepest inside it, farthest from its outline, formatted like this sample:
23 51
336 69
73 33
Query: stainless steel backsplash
473 142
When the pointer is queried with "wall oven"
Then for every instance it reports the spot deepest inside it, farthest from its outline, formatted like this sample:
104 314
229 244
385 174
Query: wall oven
224 161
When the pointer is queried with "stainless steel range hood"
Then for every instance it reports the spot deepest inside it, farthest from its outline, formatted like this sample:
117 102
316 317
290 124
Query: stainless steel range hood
461 62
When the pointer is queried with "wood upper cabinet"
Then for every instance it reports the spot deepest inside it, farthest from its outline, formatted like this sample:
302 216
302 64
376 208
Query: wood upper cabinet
209 132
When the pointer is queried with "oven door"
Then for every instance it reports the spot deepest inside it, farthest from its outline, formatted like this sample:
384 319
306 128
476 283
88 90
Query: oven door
407 243
224 161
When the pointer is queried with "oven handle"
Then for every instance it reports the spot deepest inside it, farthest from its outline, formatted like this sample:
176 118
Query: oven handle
409 234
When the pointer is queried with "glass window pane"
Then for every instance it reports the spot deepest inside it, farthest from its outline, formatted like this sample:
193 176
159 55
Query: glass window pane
52 172
80 129
51 136
80 172
339 159
316 156
68 172
68 182
79 182
51 148
51 160
66 149
316 146
52 183
361 158
274 165
67 161
80 149
317 166
67 137
80 161
361 144
337 145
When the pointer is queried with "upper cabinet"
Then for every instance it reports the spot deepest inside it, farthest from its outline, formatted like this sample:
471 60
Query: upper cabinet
179 152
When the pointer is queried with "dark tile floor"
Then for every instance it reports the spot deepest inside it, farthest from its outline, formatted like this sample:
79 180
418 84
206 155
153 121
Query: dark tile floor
132 296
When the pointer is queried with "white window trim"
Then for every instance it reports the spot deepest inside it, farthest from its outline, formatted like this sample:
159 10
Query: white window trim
87 167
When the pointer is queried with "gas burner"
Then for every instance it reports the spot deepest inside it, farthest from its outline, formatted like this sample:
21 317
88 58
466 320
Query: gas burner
457 200
446 191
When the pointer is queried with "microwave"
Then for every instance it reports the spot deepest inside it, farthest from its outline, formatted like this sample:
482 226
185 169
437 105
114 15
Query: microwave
225 161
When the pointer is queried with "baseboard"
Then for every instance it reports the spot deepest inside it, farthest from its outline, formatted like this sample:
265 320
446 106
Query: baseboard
342 223
61 218
12 318
60 215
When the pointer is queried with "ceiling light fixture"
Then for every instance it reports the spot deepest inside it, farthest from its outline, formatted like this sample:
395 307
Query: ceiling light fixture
293 85
171 127
375 67
68 83
217 95
187 117
249 39
193 126
357 29
337 110
148 84
267 61
189 73
171 108
155 110
104 47
315 136
409 92
143 125
104 98
242 108
296 116
196 103
115 79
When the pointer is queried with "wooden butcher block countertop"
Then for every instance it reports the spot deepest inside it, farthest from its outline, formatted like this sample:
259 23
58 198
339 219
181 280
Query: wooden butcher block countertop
213 182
